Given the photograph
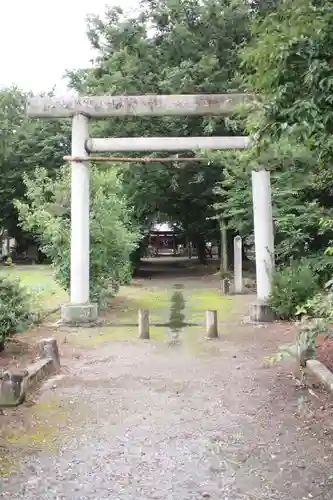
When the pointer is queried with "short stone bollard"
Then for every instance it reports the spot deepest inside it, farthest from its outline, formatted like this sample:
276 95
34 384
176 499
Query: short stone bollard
211 324
12 388
144 324
225 286
48 349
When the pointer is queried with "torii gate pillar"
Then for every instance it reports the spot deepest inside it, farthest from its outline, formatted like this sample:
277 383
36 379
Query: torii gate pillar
264 244
79 310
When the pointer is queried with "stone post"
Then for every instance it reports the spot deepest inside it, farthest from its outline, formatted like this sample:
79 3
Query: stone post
238 265
79 310
225 286
264 243
144 324
211 324
224 279
12 388
48 348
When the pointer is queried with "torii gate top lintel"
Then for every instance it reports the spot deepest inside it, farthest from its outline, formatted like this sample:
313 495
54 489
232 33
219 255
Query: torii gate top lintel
143 105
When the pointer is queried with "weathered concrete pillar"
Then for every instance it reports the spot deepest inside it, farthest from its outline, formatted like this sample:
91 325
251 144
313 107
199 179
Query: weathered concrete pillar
238 265
144 324
224 279
211 324
264 243
48 348
80 196
12 388
224 247
79 310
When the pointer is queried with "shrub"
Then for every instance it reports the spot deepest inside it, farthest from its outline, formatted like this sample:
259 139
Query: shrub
318 306
292 286
15 308
177 317
46 214
306 342
322 266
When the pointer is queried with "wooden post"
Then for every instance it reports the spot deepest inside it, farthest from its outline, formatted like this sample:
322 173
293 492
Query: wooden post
144 324
211 324
238 265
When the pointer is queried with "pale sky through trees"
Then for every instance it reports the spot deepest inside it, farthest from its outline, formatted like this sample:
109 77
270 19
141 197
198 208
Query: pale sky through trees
40 39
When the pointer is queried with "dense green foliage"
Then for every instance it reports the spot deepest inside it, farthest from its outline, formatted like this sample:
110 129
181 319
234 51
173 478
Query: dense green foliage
184 47
288 63
318 306
292 286
46 213
177 316
15 308
25 144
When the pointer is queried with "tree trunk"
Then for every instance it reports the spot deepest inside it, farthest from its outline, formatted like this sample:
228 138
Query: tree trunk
201 249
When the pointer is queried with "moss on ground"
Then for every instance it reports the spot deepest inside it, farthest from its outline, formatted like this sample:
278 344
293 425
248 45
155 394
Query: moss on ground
124 318
40 280
44 431
41 430
209 299
152 299
7 462
201 300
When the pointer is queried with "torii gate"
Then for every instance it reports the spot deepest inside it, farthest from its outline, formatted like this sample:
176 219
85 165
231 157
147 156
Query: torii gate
82 109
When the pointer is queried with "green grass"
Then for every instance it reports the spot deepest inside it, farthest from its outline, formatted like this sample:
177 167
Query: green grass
40 282
123 309
152 299
200 301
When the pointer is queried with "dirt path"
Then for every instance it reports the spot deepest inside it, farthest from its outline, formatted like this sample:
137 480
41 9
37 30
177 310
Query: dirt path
139 420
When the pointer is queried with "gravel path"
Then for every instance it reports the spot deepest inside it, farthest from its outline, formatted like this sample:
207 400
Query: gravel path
149 420
152 422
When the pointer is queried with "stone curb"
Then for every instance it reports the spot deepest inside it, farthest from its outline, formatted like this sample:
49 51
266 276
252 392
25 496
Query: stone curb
321 373
15 384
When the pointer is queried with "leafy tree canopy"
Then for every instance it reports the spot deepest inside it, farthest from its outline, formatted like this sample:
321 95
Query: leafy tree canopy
24 144
288 62
169 47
